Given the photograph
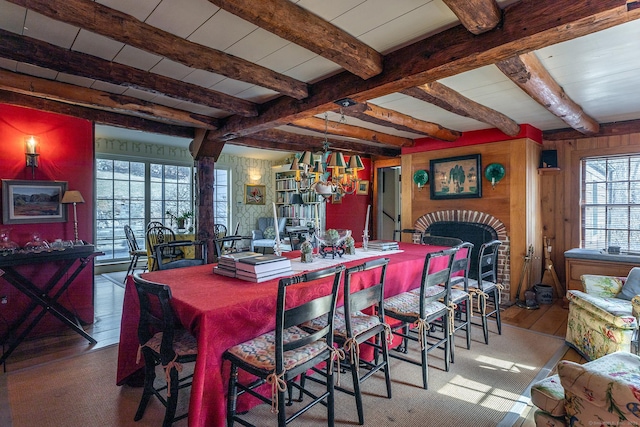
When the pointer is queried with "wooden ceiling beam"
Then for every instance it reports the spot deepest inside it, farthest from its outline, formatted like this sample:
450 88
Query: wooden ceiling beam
124 28
530 75
606 129
445 54
64 92
477 16
343 129
448 99
36 52
432 130
277 139
296 24
97 116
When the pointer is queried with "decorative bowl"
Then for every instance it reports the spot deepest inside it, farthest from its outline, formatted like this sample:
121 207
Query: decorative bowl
333 237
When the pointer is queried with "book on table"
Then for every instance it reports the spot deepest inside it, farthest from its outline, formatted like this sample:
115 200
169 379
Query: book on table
224 271
263 263
263 277
231 260
383 244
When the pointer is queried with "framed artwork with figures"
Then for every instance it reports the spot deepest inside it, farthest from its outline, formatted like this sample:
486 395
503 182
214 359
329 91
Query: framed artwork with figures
254 194
456 177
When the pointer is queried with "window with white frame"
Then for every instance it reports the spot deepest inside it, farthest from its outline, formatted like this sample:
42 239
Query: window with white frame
222 197
134 192
611 202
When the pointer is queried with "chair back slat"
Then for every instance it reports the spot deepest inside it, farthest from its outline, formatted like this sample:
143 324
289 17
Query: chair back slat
370 297
156 315
441 241
436 272
290 313
488 262
461 264
165 254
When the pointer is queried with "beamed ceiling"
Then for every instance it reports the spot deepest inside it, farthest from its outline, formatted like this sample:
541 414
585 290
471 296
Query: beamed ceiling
269 73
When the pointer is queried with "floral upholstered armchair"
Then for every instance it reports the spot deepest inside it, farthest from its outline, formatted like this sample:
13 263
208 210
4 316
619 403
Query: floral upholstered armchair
601 319
603 392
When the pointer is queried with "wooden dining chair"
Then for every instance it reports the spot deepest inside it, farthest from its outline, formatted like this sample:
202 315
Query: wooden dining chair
158 234
164 251
486 286
360 326
281 355
162 343
430 305
134 252
460 294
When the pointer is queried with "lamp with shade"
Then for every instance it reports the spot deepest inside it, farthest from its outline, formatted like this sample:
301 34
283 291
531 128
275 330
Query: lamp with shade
75 197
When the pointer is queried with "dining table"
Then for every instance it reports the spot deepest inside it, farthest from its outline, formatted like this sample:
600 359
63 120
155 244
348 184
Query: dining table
222 311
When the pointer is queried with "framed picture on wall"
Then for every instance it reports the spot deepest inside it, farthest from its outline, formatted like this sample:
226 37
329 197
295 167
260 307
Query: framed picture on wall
254 194
363 188
456 177
336 198
31 202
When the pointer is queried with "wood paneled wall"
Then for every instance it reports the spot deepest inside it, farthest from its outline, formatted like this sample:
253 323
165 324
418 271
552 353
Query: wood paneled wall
515 200
560 191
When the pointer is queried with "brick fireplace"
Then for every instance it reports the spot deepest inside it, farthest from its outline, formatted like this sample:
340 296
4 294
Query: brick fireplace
476 227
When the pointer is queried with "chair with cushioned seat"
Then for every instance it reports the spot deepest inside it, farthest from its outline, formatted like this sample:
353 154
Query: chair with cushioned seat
162 343
263 237
360 326
460 294
486 287
424 308
280 356
134 252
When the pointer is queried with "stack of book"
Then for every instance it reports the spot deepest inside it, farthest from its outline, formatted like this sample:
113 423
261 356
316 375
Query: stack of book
227 263
383 245
263 267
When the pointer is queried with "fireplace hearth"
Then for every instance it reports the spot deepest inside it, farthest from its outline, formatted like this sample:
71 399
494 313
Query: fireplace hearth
477 228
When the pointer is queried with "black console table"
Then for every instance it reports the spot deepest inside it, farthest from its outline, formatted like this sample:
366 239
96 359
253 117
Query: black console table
44 296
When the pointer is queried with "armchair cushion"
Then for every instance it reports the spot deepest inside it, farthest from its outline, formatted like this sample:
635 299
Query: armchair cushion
548 395
602 286
269 233
631 286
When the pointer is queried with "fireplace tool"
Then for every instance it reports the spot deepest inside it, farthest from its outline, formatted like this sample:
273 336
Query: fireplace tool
529 302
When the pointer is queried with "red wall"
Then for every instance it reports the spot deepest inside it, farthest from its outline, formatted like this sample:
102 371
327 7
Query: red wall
66 151
351 213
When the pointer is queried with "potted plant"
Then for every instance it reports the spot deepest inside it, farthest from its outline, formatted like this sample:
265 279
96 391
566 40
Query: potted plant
179 219
306 251
350 246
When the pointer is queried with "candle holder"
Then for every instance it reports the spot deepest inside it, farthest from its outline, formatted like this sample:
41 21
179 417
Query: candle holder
276 248
365 241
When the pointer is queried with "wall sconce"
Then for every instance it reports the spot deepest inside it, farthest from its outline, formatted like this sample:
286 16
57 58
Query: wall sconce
254 176
494 173
73 196
421 178
31 153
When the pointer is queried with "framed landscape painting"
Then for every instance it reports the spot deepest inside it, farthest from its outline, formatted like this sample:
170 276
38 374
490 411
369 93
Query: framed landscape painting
30 202
456 177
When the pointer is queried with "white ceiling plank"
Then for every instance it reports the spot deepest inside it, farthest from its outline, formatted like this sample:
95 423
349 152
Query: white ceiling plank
12 17
222 30
172 16
74 80
137 58
139 9
49 30
97 45
173 69
256 45
34 70
203 78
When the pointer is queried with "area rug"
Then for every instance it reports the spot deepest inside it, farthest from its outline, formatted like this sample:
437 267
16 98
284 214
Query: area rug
117 277
486 386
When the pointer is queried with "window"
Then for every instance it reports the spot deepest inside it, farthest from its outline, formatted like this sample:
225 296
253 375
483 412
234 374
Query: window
221 199
134 193
611 202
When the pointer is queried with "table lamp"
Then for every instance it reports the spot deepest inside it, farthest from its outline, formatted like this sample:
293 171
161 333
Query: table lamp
73 196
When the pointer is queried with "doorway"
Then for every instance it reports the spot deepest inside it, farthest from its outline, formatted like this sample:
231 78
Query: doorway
389 202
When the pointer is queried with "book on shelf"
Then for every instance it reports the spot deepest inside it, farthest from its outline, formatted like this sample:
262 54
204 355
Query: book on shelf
224 271
263 277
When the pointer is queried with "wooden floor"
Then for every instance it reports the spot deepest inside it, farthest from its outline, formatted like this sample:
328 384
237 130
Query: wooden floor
549 319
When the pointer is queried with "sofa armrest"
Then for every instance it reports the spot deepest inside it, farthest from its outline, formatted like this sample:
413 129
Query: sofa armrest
256 235
602 286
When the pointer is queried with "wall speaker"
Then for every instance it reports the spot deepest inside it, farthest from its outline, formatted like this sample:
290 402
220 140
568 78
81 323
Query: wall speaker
549 159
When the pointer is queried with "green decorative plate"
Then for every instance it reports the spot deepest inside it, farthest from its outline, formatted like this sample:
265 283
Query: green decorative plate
494 172
421 177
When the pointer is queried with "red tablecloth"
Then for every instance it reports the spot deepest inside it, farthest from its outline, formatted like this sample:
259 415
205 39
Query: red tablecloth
222 312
